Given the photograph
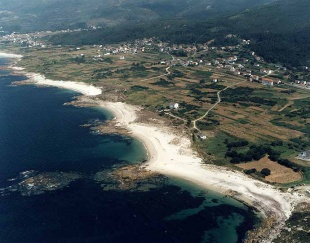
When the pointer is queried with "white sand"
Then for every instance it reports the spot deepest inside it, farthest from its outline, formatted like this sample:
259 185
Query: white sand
38 79
8 55
85 89
171 154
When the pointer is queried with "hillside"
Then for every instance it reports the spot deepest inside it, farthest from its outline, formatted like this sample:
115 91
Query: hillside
30 15
278 17
281 31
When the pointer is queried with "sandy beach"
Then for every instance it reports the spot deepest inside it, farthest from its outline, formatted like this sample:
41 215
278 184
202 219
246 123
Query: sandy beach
85 89
9 55
170 153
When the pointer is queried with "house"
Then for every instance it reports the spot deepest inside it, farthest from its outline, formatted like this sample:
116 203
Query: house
174 105
255 78
267 82
202 136
304 156
122 58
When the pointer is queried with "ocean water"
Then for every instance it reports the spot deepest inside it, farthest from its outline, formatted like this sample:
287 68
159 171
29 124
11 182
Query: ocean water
41 135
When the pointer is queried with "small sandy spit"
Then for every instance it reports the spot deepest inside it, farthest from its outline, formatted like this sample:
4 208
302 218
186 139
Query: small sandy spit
38 79
8 55
85 89
170 153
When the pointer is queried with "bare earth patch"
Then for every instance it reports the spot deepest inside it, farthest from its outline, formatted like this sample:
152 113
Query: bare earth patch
279 173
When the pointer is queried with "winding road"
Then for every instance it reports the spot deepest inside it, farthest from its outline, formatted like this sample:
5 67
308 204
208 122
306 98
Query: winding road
218 101
167 70
208 111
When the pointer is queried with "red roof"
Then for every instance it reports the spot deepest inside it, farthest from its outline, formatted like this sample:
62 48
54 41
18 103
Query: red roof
267 80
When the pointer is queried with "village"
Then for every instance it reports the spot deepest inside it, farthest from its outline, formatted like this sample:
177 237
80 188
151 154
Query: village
235 60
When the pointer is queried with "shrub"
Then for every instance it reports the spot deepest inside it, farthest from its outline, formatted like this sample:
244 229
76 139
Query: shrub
265 172
250 171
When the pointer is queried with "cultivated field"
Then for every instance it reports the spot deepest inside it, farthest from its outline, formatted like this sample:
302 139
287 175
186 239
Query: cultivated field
279 173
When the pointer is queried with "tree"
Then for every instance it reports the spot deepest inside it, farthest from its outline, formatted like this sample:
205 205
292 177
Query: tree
265 172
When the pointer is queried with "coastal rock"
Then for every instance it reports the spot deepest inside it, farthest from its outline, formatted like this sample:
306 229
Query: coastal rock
35 184
131 177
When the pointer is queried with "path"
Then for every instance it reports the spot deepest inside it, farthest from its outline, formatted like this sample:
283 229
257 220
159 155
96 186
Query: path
176 117
167 70
218 101
287 105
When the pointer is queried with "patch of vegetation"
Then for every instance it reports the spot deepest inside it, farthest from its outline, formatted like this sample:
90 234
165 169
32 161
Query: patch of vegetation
207 124
280 123
265 172
107 60
163 82
236 144
247 100
179 53
254 153
138 88
243 121
175 74
203 74
250 171
215 86
137 67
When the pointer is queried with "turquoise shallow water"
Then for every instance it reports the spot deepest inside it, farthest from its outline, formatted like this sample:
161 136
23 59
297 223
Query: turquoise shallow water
38 133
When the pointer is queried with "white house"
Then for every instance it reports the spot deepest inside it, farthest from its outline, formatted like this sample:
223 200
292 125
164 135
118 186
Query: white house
174 105
202 136
304 156
267 81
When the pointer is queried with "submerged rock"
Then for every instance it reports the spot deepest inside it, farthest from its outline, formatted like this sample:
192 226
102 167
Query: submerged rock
35 184
131 177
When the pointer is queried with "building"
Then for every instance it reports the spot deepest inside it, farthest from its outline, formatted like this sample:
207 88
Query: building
267 82
304 156
202 136
174 105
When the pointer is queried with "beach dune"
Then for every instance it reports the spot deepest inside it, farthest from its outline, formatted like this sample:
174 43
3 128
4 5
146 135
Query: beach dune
85 89
8 55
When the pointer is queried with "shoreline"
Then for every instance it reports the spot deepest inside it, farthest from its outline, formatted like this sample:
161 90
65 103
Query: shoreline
10 55
170 153
85 89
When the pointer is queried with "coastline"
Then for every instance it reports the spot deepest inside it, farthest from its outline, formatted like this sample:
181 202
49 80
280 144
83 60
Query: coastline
170 154
85 89
10 55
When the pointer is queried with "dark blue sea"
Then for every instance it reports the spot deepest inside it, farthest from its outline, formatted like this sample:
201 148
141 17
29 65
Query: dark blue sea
42 138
